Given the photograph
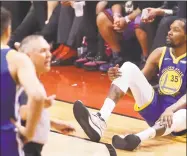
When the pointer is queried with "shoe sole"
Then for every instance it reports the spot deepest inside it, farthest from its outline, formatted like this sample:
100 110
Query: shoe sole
120 143
82 116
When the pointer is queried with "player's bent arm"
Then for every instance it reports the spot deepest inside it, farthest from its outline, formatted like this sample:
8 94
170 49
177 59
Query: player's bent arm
152 63
180 104
27 77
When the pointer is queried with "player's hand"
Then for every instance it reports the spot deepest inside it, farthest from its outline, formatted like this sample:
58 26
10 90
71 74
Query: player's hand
114 73
116 21
62 127
21 130
149 16
120 25
166 117
67 3
49 101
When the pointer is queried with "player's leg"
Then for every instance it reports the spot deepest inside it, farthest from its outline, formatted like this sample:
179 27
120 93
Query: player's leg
132 141
133 78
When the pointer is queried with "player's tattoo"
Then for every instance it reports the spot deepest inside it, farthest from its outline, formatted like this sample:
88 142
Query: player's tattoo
115 93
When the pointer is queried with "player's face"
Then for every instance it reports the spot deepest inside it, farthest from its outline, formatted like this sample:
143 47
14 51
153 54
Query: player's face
176 36
42 56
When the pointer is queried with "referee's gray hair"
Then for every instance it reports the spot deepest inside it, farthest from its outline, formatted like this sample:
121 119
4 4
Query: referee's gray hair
28 43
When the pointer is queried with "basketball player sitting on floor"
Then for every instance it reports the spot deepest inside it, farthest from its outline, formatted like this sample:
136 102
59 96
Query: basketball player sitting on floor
37 48
163 109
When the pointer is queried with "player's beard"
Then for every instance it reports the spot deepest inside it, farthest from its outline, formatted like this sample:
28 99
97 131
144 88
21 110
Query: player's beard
169 43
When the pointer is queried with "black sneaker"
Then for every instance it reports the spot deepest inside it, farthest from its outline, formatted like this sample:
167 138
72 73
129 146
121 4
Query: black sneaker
129 142
92 124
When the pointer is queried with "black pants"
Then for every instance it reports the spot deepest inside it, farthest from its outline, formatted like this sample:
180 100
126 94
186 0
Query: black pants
18 11
90 26
69 27
131 50
150 29
49 31
162 31
33 149
32 23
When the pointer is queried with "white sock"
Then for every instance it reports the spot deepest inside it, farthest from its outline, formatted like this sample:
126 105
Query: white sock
147 134
107 108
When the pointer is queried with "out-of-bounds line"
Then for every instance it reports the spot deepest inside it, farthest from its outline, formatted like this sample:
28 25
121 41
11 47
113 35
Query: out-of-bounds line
110 148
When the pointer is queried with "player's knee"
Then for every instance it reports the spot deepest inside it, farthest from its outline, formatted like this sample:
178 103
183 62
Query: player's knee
179 119
101 18
129 67
180 114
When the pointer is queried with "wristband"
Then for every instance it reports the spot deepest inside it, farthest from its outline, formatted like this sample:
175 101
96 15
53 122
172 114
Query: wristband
168 12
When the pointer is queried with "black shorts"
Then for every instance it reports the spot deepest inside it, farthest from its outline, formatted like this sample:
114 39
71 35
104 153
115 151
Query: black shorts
33 149
181 133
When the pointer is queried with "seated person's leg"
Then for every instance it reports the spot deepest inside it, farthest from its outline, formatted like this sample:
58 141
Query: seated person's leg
111 37
105 26
65 23
50 29
95 43
162 31
142 38
27 27
150 29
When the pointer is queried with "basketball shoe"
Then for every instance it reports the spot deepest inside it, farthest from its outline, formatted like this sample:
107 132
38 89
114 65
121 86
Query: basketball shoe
92 124
129 142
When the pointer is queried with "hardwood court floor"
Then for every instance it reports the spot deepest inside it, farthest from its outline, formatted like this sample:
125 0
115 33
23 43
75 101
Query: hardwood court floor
60 145
71 84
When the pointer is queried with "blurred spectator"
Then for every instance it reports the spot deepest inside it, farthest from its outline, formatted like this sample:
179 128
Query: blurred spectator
103 49
95 54
71 30
170 12
116 20
34 21
68 36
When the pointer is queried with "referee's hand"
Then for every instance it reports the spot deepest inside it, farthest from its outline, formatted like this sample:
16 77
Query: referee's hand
21 131
49 101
